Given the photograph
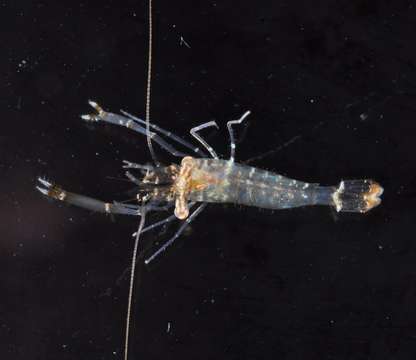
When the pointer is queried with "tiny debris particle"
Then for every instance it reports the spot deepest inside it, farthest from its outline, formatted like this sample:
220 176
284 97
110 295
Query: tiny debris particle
22 63
168 329
183 42
363 116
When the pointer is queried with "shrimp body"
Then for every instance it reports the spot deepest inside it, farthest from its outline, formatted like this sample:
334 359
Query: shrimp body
224 181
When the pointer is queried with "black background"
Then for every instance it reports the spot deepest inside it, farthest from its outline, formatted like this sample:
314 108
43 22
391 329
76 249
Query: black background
331 86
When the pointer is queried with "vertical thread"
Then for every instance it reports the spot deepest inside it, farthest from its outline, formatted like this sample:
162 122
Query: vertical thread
149 82
131 285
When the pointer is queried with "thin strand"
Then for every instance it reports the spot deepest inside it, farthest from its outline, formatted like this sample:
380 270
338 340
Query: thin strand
162 222
131 286
167 133
156 224
177 234
149 87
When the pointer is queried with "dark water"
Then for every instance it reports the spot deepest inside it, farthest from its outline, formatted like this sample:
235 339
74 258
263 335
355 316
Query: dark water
336 82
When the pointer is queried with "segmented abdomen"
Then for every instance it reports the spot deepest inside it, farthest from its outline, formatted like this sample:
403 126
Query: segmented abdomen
230 182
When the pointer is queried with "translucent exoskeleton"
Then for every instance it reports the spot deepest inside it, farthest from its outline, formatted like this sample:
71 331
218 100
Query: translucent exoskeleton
195 182
189 186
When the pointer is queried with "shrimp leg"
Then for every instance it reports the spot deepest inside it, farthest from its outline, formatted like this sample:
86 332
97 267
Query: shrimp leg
194 131
177 234
162 222
128 123
231 132
56 192
167 133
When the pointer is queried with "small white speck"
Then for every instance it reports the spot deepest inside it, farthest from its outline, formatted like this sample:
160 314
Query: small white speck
183 42
22 64
168 329
363 116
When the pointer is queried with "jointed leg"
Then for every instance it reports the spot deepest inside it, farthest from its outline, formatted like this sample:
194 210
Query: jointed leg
177 234
231 132
194 131
143 168
167 133
131 165
157 224
55 192
132 178
162 222
123 121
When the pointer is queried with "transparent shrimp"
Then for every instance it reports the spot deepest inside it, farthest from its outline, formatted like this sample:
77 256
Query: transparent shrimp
189 186
213 180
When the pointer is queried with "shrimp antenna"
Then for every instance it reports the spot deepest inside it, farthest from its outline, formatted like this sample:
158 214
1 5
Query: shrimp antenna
149 85
131 286
143 211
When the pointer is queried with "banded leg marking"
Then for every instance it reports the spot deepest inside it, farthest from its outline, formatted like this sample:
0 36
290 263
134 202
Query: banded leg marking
56 192
231 132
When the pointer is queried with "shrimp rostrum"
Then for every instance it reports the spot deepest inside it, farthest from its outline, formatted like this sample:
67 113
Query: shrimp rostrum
199 180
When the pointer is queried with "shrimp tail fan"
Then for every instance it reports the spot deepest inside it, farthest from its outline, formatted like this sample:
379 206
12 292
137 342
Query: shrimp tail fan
356 195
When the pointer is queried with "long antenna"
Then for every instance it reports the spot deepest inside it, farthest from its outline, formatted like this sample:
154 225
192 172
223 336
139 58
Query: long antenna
142 210
149 85
131 286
